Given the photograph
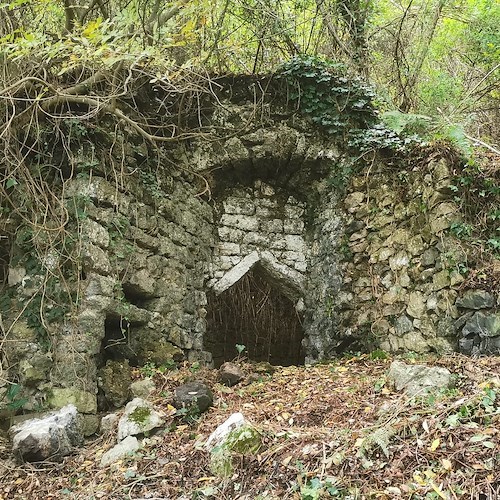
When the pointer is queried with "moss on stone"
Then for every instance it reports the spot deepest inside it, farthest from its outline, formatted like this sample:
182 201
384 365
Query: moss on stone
140 415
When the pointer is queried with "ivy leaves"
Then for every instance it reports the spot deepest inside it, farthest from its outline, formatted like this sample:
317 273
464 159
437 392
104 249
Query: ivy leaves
324 92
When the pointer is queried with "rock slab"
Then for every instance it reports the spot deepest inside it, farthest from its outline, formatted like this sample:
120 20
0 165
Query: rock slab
52 437
125 448
217 438
192 394
418 380
139 417
230 374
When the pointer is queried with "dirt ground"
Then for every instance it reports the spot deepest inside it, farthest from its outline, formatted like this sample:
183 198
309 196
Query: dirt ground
334 430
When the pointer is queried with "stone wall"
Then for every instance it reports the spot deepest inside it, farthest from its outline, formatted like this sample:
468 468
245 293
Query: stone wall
370 265
403 272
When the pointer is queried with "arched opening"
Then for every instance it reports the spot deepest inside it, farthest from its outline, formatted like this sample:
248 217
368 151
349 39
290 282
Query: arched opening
254 312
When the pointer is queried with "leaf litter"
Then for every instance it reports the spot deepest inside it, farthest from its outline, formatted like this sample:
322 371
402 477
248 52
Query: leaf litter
333 430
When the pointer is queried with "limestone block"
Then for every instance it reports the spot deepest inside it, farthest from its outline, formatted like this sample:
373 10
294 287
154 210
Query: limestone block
403 325
97 284
242 222
226 248
295 243
400 236
125 448
441 280
429 257
51 437
359 235
143 240
236 151
230 234
417 380
358 247
476 299
195 394
96 259
230 374
108 423
395 294
217 438
300 266
293 226
294 256
95 233
483 324
16 276
353 200
271 226
262 212
416 305
277 243
139 417
238 206
114 380
399 261
293 211
230 278
85 402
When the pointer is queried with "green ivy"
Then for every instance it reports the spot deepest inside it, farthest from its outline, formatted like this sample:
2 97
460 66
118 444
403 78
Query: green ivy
324 92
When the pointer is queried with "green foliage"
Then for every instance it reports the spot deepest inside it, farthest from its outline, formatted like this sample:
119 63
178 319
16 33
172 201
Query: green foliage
477 192
325 92
315 488
15 400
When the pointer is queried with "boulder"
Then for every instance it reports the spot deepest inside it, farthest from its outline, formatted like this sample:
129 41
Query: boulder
193 394
142 388
418 379
230 374
51 437
217 438
483 324
123 449
139 417
476 299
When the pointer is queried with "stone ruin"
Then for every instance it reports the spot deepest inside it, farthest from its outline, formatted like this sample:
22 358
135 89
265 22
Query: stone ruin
274 256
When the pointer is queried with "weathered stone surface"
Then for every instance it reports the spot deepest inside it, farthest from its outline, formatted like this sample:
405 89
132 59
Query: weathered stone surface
217 438
142 388
230 374
123 449
108 423
483 324
403 325
114 380
51 437
418 380
416 305
476 299
84 401
139 417
193 394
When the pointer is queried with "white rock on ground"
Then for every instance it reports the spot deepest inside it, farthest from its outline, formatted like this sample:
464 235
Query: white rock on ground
235 421
125 448
139 417
51 437
418 379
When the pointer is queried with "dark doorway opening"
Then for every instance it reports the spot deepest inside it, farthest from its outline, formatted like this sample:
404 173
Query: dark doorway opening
254 313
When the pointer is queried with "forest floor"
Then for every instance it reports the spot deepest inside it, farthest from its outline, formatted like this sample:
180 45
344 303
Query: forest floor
334 430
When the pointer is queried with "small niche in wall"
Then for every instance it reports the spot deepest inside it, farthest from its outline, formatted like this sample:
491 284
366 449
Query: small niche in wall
116 342
255 313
